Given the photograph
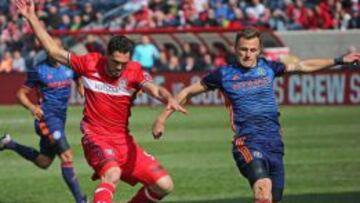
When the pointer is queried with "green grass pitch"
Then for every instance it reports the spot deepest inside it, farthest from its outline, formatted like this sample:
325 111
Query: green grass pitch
322 157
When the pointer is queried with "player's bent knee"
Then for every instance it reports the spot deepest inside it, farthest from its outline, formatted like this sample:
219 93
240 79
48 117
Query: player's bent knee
262 190
163 186
112 175
43 161
66 156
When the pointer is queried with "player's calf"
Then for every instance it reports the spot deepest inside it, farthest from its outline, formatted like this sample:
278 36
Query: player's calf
69 176
262 191
104 192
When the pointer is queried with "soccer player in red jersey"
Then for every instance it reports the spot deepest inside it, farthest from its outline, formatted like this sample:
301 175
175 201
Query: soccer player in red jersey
111 83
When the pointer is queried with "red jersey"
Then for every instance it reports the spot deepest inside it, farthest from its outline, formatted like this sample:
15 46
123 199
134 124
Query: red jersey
108 100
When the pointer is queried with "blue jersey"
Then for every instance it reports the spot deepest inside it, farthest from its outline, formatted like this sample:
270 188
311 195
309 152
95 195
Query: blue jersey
252 101
54 86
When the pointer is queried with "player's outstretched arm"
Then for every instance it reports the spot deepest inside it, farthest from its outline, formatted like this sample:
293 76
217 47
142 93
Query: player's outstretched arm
162 95
185 94
311 65
27 9
22 96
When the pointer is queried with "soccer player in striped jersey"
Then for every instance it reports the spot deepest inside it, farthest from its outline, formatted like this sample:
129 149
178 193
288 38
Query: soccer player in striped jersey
111 83
248 88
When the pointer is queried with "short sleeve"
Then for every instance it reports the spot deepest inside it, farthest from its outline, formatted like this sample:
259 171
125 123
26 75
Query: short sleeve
212 80
277 67
143 77
32 78
80 64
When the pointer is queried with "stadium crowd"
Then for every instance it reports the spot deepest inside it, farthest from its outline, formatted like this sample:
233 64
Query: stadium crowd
18 46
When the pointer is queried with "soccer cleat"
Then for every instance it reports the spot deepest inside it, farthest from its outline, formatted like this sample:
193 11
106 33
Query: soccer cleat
6 138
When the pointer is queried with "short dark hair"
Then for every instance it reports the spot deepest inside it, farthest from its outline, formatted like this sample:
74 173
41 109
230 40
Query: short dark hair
248 33
121 44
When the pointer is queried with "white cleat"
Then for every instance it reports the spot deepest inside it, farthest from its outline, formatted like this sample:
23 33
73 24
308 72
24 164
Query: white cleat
6 138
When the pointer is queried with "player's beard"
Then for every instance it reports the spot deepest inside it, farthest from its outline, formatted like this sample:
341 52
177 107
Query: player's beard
113 72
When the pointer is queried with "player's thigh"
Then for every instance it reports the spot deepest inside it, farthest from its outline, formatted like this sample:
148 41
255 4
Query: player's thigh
52 136
143 167
100 154
251 163
59 147
47 148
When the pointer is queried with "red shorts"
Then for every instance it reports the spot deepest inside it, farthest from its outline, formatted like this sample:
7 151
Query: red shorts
136 165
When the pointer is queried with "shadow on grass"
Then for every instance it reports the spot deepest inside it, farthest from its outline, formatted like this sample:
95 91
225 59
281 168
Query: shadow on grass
346 197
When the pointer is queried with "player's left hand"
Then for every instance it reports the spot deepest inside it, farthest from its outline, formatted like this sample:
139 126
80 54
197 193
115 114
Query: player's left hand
37 112
158 128
173 104
352 58
26 7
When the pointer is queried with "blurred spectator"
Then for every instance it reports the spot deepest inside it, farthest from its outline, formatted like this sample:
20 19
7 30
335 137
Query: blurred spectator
130 23
174 64
76 22
278 20
324 19
239 19
53 19
355 20
255 10
88 13
18 63
12 37
6 63
162 63
189 64
93 46
97 23
220 55
186 51
146 53
65 22
206 63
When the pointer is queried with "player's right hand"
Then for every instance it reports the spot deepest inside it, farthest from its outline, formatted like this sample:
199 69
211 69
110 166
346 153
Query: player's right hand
25 7
37 112
158 128
173 104
352 58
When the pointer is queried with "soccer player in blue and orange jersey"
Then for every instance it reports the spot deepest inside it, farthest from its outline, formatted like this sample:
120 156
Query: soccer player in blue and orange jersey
248 86
53 83
111 83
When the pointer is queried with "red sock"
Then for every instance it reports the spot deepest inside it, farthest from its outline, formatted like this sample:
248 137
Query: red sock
145 195
104 193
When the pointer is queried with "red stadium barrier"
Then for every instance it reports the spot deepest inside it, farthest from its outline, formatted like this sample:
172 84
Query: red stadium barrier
340 87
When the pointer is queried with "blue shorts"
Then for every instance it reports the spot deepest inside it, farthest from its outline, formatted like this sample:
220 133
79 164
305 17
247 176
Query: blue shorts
255 164
52 136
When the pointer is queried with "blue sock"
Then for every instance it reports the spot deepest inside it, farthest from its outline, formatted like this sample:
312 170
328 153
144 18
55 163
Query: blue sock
68 174
28 153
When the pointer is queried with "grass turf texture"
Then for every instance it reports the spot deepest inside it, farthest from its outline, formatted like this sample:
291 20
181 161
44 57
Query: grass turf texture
322 157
